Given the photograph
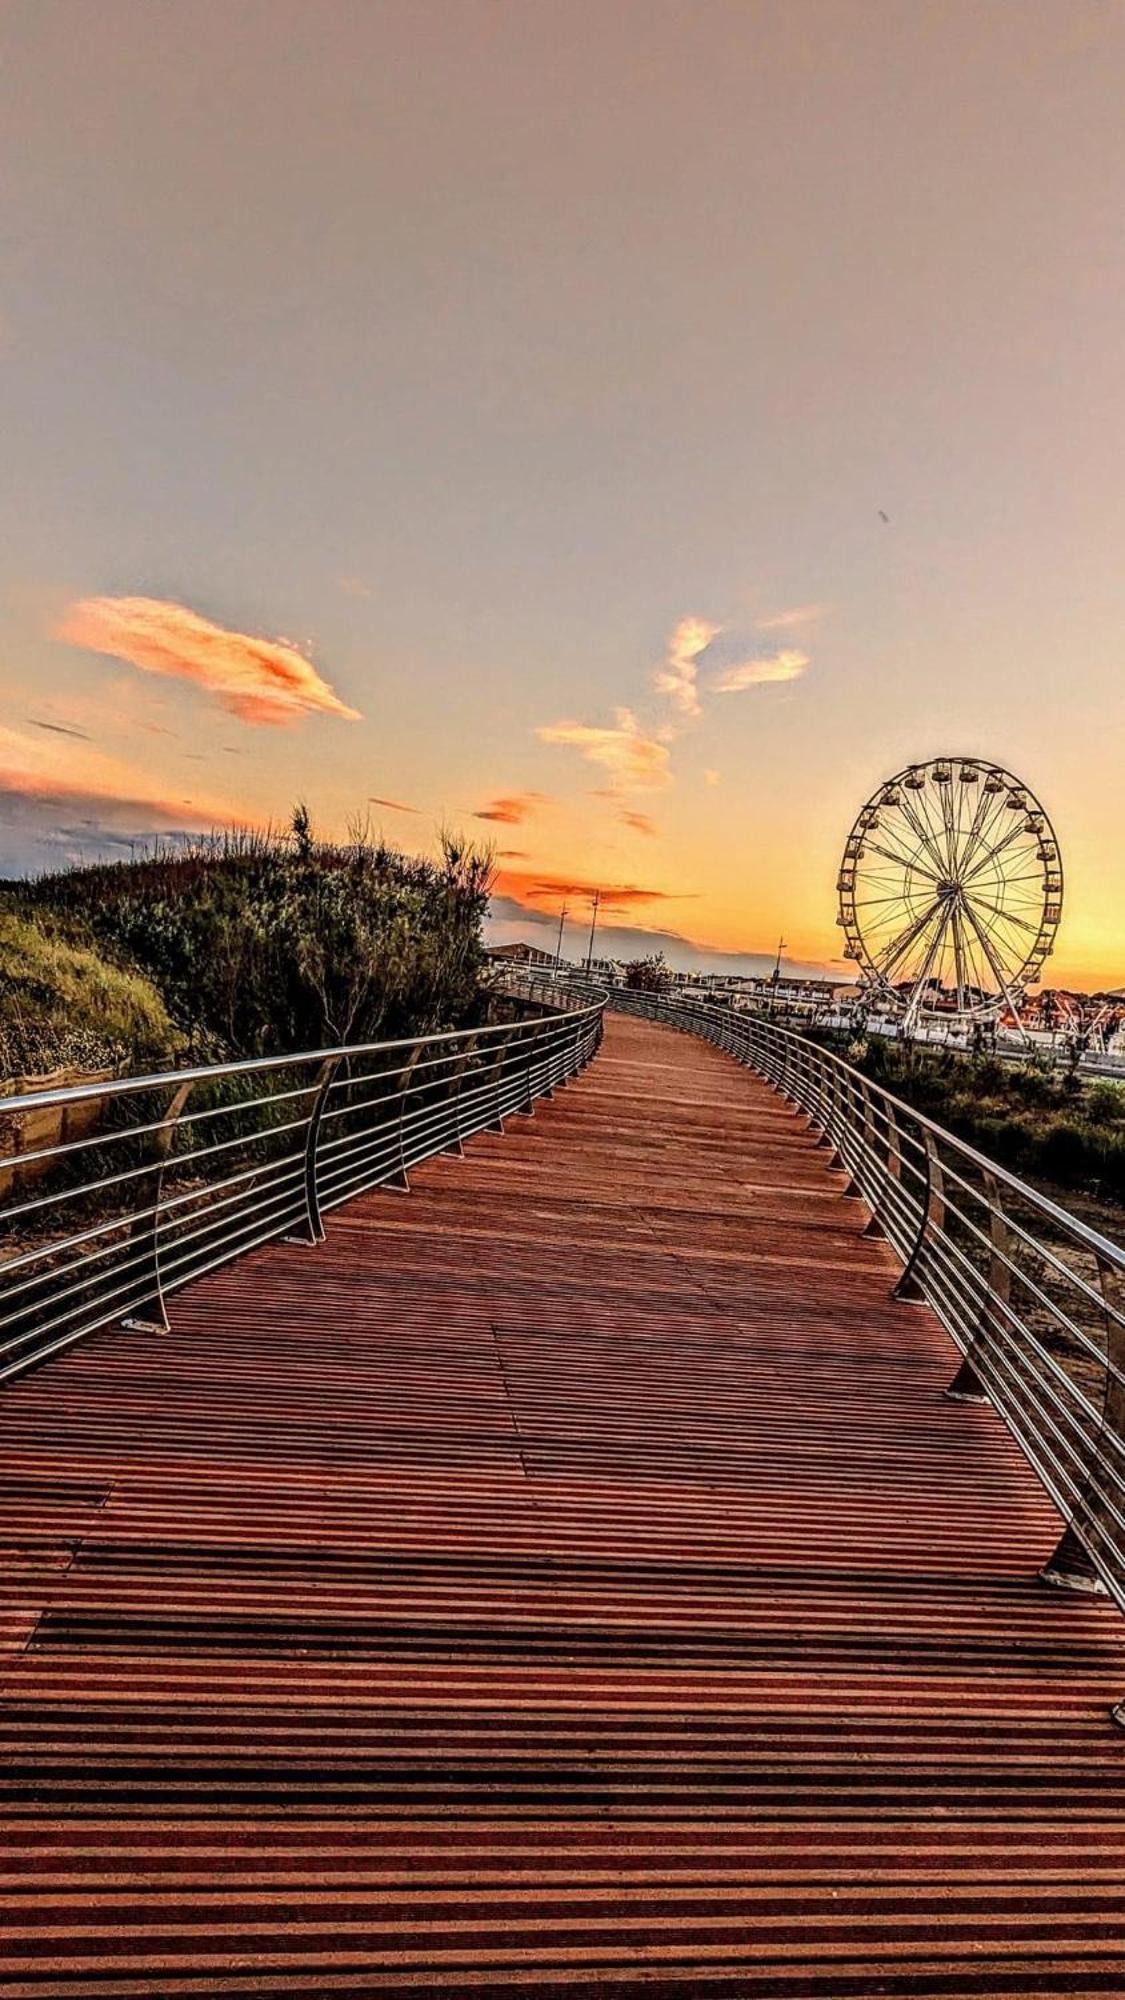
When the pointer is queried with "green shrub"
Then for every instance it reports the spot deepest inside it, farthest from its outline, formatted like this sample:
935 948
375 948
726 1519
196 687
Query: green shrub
1105 1102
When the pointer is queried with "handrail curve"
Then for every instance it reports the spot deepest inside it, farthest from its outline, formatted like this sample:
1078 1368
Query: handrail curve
114 1194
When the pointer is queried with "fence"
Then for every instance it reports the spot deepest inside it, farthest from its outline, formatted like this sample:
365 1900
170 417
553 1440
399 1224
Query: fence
1032 1296
177 1173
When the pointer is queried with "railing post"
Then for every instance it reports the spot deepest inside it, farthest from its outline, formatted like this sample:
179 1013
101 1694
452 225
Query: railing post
313 1222
966 1386
931 1219
151 1314
872 1148
856 1137
399 1180
496 1123
838 1123
827 1120
1072 1565
455 1144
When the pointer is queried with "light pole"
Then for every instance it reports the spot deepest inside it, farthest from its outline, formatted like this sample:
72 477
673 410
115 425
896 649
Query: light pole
776 979
558 947
593 926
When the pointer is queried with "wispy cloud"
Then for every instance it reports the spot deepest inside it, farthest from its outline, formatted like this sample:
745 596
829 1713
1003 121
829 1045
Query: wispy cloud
512 808
354 586
60 729
393 805
791 621
637 762
259 680
676 675
32 769
640 822
712 778
788 665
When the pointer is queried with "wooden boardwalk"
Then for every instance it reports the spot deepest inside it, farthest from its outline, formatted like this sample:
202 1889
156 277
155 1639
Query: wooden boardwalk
568 1577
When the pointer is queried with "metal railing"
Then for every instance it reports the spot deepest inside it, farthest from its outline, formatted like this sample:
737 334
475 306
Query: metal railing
1032 1296
119 1192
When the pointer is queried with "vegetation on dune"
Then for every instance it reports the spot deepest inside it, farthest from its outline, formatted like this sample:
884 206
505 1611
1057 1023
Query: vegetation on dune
262 943
1044 1124
63 1005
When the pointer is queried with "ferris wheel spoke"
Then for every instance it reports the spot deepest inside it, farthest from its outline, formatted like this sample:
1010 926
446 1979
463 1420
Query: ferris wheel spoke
903 860
1006 916
925 836
993 854
893 951
917 994
967 843
997 971
993 926
948 821
959 959
985 822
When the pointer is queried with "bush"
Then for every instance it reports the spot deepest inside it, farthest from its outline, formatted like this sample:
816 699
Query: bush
262 944
1105 1103
65 1006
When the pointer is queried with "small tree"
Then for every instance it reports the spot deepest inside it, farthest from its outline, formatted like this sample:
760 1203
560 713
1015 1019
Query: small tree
647 975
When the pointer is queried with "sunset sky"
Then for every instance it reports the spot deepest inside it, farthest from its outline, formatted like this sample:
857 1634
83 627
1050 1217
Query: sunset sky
485 415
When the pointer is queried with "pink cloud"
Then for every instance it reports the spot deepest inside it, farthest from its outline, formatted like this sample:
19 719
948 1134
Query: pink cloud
637 762
640 822
512 809
676 676
259 680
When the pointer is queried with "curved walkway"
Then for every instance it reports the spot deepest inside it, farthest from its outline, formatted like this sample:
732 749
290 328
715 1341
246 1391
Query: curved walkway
568 1577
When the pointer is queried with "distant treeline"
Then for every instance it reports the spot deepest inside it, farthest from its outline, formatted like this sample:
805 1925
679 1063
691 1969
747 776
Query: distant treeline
244 945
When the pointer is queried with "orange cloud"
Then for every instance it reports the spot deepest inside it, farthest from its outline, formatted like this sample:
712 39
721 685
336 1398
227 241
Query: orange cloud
637 762
512 810
711 778
676 677
259 680
785 666
640 822
533 890
393 805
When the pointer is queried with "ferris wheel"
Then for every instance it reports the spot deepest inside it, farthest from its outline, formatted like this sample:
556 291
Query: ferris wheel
950 891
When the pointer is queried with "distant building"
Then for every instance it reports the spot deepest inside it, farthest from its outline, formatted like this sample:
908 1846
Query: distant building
520 954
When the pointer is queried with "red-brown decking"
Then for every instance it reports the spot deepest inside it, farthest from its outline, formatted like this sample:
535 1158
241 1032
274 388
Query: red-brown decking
568 1577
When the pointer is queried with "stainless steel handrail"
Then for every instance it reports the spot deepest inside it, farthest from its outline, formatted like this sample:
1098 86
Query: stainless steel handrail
1033 1297
150 1181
